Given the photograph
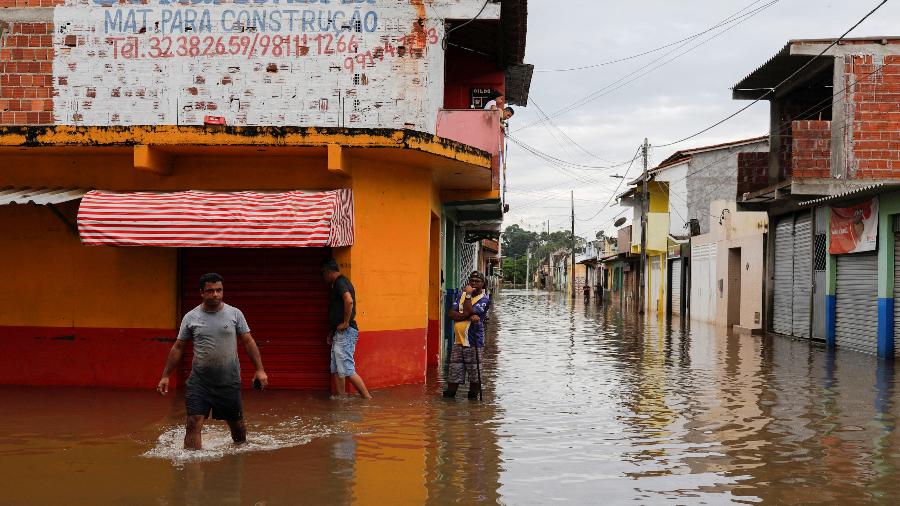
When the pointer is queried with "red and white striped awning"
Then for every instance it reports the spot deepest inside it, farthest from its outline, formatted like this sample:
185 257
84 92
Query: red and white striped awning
204 219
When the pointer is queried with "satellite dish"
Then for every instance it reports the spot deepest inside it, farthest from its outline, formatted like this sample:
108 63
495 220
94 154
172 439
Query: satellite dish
619 222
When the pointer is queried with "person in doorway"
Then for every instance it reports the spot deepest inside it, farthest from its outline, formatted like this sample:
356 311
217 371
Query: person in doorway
586 290
497 101
467 354
344 331
214 386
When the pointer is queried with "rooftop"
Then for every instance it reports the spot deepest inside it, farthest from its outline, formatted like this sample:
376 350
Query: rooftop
792 57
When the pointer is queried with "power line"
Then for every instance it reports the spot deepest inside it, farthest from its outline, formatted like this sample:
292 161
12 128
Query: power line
617 187
648 69
772 90
730 19
573 165
563 133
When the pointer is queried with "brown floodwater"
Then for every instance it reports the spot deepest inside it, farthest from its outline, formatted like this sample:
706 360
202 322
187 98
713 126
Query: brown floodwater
582 405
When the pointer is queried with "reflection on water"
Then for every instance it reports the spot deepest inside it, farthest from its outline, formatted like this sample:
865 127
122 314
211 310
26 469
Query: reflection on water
582 404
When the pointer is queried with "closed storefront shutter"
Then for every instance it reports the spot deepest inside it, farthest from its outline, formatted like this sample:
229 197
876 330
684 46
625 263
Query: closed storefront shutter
675 289
856 322
282 295
802 294
711 282
782 311
896 289
698 281
792 284
703 281
655 283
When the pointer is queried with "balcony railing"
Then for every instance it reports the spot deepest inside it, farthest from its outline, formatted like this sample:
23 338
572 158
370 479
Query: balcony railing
478 128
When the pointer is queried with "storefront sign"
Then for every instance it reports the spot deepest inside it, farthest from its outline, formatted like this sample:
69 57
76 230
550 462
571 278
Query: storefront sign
854 229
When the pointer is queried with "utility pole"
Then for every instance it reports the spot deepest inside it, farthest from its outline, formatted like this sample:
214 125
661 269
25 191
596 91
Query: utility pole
645 208
573 245
527 266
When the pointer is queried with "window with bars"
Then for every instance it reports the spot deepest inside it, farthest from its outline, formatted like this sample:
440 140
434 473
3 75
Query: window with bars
821 252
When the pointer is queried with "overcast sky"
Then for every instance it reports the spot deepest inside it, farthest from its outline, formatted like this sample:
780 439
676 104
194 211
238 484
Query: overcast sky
668 103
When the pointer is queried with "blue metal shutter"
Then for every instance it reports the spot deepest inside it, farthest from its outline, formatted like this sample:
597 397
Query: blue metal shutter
856 322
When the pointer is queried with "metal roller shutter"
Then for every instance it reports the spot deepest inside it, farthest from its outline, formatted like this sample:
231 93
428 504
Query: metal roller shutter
802 295
675 290
285 301
699 282
782 311
703 282
896 292
711 273
655 283
856 322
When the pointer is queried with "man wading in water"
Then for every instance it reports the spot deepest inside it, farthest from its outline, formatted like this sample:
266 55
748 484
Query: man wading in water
344 331
467 354
215 381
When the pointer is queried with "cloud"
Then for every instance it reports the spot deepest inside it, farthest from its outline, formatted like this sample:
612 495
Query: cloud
667 104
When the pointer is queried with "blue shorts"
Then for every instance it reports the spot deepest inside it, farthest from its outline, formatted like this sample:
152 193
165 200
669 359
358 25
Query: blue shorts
343 345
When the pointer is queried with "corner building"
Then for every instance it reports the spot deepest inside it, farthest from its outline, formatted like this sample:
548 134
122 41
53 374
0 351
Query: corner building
126 171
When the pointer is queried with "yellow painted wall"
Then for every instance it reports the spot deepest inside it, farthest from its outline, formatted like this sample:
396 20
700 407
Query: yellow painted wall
657 232
659 197
391 252
136 287
51 280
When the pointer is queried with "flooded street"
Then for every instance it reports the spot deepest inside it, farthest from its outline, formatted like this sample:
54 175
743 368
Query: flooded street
582 405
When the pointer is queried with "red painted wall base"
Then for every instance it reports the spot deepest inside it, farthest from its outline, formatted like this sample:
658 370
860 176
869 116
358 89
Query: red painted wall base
134 358
433 348
130 358
391 357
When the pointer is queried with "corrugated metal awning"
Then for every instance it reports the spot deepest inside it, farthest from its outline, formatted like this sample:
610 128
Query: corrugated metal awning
855 192
206 219
39 195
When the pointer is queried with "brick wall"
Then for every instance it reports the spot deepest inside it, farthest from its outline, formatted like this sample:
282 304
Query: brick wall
753 171
873 122
79 63
26 72
811 149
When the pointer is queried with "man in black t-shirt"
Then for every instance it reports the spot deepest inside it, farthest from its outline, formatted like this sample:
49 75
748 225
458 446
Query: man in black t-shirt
344 331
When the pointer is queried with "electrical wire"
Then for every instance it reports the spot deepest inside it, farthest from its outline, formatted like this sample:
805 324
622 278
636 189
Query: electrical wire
787 79
728 20
616 191
447 35
647 69
573 165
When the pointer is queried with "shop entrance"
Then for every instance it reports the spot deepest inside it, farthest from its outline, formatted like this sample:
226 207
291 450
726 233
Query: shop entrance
285 301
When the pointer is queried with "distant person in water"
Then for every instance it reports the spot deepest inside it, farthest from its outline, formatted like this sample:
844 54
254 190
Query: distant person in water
344 331
467 354
214 386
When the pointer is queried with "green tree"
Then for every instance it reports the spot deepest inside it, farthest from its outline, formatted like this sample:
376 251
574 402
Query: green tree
516 241
514 270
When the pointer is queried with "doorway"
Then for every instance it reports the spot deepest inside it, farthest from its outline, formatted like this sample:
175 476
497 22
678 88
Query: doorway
433 340
282 295
734 286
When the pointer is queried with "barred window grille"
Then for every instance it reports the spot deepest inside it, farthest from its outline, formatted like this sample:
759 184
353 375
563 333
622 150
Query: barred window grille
468 257
821 252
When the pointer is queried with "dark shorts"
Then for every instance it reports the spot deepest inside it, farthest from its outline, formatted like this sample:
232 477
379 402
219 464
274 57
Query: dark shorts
223 402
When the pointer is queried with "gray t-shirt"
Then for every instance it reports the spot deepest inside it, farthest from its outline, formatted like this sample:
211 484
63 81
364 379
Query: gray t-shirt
215 344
